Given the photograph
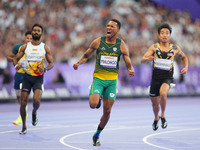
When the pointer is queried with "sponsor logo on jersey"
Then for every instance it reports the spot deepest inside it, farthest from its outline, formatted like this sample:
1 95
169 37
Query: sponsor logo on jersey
114 49
112 94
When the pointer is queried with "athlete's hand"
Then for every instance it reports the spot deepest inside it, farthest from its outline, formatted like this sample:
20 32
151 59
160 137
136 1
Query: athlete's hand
75 66
150 58
17 67
184 70
41 69
131 73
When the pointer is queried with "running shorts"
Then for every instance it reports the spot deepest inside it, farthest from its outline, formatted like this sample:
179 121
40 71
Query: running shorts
156 84
18 80
107 88
32 82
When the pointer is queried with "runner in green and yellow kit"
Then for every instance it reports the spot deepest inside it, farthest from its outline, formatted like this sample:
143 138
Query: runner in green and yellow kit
19 75
108 49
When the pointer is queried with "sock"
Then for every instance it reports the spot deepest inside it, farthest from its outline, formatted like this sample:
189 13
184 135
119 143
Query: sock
97 133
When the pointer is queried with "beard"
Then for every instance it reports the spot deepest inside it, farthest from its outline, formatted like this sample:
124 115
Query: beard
36 37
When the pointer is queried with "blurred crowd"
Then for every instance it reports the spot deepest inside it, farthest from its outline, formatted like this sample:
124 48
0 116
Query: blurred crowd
71 25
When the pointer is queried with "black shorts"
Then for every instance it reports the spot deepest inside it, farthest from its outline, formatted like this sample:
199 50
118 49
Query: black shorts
156 84
30 82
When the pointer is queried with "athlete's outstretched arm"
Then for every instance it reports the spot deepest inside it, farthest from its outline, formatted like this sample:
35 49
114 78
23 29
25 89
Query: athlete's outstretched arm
127 60
93 46
148 56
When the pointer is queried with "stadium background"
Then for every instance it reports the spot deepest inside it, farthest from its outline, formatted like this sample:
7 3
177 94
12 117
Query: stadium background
71 25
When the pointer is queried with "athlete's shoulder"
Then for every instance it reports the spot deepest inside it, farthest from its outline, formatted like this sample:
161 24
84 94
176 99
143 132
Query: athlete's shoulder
156 45
174 46
16 48
119 39
97 40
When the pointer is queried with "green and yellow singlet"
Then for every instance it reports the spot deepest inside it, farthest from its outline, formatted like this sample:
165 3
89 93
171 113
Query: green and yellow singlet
21 62
107 60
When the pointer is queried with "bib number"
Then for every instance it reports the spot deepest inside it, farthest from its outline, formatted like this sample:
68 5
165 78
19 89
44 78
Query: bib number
108 61
163 64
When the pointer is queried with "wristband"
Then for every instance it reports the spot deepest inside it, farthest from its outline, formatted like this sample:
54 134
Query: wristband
16 66
45 69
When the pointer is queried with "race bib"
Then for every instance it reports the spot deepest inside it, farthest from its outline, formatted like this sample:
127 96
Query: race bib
108 61
163 64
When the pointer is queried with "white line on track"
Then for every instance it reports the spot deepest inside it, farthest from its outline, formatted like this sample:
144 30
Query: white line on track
155 134
85 132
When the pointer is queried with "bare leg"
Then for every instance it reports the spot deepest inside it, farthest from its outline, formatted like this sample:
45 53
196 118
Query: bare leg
36 100
94 100
24 101
107 106
163 95
155 105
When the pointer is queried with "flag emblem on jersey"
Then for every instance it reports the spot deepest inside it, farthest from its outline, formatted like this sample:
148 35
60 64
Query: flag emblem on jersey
169 54
114 49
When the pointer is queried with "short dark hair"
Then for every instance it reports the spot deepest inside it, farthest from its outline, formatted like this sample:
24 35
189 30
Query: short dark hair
27 33
38 26
165 25
117 21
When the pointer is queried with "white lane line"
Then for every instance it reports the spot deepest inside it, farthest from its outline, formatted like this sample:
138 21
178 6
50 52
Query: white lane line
84 132
155 134
78 133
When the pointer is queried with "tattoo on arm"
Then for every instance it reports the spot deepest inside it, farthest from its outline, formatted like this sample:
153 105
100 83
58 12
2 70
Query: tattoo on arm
175 47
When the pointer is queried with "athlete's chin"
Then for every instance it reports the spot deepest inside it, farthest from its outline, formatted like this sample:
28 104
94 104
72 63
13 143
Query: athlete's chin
108 35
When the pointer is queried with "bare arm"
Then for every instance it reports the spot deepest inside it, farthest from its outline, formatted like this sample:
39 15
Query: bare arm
148 56
17 57
184 58
10 57
93 46
127 60
49 59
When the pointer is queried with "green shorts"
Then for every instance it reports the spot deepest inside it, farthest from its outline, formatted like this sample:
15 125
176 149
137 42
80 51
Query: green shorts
107 88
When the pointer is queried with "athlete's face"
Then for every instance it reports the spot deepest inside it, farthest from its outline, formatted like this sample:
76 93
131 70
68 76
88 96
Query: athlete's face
28 38
164 35
36 33
111 29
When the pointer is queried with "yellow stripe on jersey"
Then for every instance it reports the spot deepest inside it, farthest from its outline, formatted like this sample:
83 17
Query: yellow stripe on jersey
106 76
21 70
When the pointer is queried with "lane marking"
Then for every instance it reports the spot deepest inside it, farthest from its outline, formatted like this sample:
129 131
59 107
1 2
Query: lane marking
155 134
85 132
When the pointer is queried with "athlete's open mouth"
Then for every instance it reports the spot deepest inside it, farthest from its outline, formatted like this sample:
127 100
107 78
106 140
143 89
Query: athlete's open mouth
108 32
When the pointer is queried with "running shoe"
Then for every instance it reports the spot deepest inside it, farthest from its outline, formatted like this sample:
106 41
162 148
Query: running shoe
34 119
99 104
23 132
163 123
155 125
18 121
96 141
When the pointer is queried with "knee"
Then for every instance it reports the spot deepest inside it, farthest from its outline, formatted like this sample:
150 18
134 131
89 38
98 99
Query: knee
155 104
92 105
36 101
163 94
93 102
23 101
